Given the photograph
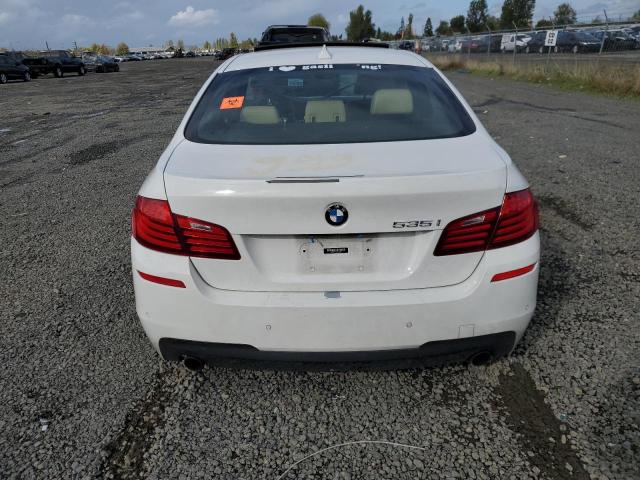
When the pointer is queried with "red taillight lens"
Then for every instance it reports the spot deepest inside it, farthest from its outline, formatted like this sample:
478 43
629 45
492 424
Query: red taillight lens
513 222
468 234
154 226
203 239
518 219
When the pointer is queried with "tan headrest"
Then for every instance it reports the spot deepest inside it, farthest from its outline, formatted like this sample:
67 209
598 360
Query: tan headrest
260 115
322 111
389 101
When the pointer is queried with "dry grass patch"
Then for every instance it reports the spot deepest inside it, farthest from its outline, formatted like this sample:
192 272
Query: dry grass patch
594 76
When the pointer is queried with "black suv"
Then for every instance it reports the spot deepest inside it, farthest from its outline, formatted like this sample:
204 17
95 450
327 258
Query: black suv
278 34
11 69
225 53
57 62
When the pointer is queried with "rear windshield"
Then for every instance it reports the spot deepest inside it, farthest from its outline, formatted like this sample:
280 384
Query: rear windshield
314 104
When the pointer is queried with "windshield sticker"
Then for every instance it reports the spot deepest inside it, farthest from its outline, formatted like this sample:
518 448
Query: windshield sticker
231 102
371 67
295 82
316 67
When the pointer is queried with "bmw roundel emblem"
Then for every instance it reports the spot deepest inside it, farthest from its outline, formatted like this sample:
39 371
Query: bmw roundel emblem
336 215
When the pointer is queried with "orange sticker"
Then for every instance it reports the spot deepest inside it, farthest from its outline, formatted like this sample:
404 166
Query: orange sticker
231 102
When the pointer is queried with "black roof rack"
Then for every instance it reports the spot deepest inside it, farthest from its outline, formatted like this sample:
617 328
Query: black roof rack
274 46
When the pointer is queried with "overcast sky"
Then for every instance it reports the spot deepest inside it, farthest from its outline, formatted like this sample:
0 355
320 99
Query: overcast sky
29 23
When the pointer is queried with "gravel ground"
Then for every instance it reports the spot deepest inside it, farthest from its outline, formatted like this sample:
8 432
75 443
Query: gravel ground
83 395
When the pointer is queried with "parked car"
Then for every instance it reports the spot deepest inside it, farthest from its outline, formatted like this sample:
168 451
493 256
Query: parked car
407 45
536 43
424 244
225 53
57 62
11 69
275 34
100 63
576 42
510 41
190 54
615 40
484 44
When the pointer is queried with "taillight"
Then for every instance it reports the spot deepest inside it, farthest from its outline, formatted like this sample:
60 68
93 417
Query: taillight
515 221
468 234
518 219
154 226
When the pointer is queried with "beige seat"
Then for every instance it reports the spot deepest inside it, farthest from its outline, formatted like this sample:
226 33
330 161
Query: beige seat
260 115
324 111
392 101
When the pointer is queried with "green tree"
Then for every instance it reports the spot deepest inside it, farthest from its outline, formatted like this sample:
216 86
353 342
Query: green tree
544 23
408 31
122 49
457 24
206 45
180 45
360 25
565 14
233 40
493 23
444 28
218 44
636 16
318 20
519 12
428 28
94 48
400 32
477 16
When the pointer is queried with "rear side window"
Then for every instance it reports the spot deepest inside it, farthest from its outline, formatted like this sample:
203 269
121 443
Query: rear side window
293 35
315 104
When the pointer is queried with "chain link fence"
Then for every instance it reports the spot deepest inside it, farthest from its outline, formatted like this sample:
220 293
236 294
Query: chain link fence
618 40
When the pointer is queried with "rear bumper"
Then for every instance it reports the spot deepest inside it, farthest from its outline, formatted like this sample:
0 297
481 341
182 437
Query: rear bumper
458 320
429 354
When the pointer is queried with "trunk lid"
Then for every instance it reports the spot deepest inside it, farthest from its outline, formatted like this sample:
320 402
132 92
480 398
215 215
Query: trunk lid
273 200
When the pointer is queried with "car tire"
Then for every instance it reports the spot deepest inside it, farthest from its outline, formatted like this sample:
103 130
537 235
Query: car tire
82 71
3 79
57 72
117 68
26 77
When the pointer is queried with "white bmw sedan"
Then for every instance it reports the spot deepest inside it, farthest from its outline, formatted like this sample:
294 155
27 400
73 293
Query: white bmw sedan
333 203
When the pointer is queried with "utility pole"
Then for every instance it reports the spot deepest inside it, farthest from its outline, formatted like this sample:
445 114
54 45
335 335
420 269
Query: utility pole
515 42
606 31
489 43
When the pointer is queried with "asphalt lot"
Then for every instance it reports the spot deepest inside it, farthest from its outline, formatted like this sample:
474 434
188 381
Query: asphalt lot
83 395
